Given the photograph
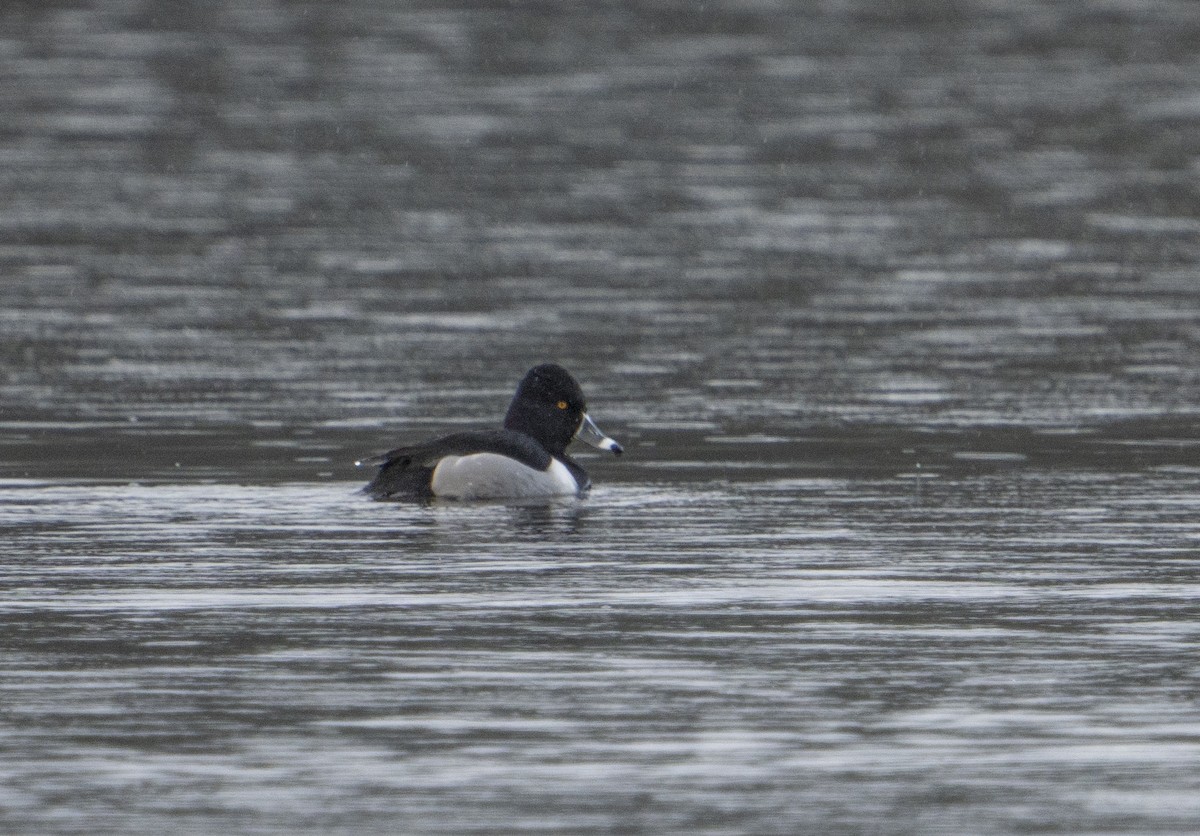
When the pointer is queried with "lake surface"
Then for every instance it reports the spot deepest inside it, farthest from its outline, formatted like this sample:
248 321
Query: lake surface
894 307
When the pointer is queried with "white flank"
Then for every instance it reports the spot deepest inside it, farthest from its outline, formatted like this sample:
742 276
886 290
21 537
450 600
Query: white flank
492 476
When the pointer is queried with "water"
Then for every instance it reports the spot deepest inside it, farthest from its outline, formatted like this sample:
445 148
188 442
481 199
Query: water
781 655
894 309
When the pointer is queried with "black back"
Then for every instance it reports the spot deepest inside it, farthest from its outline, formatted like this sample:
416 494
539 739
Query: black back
406 472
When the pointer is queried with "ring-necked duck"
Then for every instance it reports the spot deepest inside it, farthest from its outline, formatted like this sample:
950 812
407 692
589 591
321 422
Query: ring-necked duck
525 459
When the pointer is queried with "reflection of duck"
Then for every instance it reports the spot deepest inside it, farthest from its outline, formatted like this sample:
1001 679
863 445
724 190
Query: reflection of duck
525 459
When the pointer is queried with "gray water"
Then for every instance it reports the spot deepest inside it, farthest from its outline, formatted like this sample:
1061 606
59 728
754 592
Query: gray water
894 307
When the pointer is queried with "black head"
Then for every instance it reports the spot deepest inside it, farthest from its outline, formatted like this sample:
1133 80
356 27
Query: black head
548 406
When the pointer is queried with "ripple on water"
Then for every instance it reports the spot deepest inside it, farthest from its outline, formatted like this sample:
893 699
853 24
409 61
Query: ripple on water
894 311
835 628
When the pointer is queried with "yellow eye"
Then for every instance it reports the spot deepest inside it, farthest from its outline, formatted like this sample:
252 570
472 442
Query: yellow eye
562 404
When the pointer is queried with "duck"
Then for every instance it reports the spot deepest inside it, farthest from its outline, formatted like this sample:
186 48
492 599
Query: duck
526 459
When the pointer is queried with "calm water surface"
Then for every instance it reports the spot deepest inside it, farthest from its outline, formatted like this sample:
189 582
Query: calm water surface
893 306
